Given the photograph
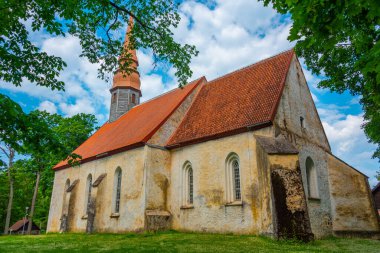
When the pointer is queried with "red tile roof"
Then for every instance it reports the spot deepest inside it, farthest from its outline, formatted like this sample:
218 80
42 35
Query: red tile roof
23 223
242 100
134 128
19 224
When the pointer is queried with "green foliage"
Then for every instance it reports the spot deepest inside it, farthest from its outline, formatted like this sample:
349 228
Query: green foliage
23 191
340 39
12 123
51 137
96 23
177 242
44 140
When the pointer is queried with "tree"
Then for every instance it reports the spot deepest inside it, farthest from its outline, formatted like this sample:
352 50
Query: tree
9 152
51 138
95 23
341 40
44 140
12 128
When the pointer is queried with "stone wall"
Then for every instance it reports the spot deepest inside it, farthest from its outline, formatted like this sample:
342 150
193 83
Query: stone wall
157 166
210 212
132 203
351 200
297 102
310 140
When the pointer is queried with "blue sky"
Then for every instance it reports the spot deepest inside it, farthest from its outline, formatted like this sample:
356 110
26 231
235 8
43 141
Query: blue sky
229 35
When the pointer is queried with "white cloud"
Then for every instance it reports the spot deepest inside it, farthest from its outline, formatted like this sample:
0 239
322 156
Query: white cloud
232 35
80 106
90 94
153 85
47 106
346 132
349 142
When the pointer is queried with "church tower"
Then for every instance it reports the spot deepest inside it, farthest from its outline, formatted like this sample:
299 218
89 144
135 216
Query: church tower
125 91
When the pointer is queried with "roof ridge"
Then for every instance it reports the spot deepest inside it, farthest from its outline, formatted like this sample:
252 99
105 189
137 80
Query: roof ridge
251 65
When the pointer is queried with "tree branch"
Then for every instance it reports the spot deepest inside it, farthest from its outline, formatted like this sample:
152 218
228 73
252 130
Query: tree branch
135 18
114 22
4 151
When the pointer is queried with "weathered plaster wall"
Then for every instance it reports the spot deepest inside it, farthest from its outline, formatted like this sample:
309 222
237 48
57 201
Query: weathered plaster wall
352 205
132 203
264 190
56 204
310 140
157 166
296 102
210 212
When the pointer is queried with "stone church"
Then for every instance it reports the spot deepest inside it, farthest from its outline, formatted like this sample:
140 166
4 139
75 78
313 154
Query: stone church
245 153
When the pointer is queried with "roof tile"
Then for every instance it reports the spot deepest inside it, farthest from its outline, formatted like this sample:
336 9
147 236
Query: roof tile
238 100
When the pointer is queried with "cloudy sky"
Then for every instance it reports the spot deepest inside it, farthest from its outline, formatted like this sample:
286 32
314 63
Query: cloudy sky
229 35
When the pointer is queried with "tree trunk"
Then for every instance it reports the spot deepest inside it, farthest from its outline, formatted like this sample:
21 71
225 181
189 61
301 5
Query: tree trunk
11 156
30 223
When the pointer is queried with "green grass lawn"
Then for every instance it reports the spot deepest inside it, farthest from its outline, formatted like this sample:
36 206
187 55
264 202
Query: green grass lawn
177 242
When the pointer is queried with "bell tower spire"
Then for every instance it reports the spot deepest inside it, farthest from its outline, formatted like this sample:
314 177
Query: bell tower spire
125 91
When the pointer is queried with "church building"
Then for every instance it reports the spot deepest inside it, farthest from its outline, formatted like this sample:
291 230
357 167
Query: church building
245 153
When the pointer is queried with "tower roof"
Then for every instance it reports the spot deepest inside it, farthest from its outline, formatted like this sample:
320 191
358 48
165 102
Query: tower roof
124 80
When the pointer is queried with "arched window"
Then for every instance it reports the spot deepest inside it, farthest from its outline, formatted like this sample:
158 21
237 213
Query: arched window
134 98
187 185
311 176
233 184
117 190
88 192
